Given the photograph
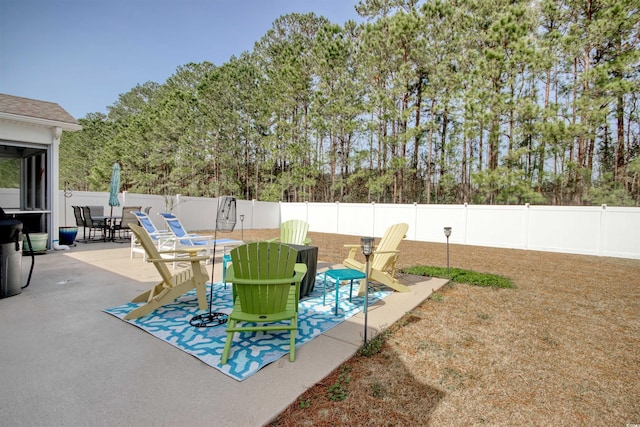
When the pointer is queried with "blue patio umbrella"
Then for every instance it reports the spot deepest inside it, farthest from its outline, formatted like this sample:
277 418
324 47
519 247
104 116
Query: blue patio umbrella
114 188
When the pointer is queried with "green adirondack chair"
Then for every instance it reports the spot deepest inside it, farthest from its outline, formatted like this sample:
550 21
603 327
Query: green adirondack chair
294 232
266 289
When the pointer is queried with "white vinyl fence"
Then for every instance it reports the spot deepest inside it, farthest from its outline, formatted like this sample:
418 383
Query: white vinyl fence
195 213
594 230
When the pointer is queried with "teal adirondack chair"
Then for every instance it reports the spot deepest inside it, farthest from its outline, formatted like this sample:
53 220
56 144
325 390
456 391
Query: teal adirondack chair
266 290
293 232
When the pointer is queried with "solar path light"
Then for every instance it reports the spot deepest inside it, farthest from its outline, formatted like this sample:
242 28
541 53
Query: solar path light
447 232
367 248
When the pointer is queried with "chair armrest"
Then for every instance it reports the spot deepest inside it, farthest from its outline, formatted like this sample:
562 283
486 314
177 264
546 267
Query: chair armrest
385 252
194 238
165 235
299 270
180 259
306 241
189 250
352 250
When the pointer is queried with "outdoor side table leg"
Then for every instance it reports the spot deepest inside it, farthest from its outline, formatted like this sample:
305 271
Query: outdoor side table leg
337 295
324 290
226 258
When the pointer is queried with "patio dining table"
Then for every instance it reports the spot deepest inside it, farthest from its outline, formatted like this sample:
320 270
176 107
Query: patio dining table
110 222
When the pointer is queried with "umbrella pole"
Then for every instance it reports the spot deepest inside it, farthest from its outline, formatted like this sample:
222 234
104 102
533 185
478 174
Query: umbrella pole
109 227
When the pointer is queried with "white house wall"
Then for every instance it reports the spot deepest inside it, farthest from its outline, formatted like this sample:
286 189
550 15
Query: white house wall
9 198
15 132
46 138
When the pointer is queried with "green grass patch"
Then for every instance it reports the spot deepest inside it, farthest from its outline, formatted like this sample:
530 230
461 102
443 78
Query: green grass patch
304 404
378 390
373 346
339 390
459 275
436 296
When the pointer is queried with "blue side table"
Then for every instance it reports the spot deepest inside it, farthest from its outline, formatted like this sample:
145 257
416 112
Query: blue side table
340 275
226 258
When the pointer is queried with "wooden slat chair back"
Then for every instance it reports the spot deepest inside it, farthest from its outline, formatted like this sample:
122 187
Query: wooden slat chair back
152 252
172 285
382 263
294 232
386 252
266 289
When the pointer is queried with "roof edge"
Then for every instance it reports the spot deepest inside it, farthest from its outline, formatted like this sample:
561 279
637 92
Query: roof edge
41 122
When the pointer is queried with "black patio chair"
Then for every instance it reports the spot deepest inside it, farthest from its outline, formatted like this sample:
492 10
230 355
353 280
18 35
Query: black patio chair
77 213
93 225
128 218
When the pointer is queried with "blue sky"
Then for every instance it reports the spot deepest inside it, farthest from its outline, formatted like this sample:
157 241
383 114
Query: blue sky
82 54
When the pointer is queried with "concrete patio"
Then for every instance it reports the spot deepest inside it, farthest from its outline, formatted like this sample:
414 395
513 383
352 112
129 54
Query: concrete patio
65 362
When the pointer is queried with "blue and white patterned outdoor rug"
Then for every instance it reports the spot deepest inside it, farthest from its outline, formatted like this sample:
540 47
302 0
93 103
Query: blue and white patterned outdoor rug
250 351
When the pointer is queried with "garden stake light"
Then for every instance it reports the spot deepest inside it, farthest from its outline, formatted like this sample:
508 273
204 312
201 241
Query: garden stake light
367 248
447 232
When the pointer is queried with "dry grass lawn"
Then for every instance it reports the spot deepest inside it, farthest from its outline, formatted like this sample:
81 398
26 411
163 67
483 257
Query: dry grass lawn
562 348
